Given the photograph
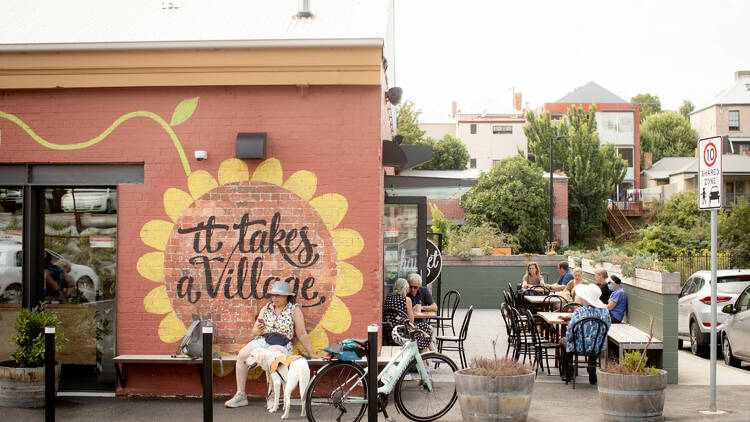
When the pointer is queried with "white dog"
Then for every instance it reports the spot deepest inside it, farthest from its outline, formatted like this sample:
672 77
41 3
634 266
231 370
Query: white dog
280 373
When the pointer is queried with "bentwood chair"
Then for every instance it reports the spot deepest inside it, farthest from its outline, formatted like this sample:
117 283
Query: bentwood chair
505 312
458 340
554 303
595 329
447 313
570 307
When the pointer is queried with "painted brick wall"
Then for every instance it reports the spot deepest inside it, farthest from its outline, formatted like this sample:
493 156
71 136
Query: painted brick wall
333 132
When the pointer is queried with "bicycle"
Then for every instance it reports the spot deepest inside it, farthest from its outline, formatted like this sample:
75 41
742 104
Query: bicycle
338 392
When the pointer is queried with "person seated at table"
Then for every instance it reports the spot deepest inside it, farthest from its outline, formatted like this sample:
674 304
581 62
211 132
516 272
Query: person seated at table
532 277
577 279
397 310
420 295
618 300
565 276
601 277
588 296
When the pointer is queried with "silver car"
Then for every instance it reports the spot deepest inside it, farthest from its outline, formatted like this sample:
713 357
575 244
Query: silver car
735 340
694 306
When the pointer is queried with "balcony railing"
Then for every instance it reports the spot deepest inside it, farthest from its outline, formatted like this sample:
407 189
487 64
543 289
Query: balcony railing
630 208
731 198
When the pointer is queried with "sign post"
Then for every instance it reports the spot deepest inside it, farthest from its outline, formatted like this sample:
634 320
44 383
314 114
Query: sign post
710 190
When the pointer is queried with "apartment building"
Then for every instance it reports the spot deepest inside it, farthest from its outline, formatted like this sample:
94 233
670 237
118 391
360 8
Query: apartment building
727 114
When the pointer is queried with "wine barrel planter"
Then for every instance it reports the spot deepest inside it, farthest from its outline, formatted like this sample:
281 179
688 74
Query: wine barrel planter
23 387
494 399
626 398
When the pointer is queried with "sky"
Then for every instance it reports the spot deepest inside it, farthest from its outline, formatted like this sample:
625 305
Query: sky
477 52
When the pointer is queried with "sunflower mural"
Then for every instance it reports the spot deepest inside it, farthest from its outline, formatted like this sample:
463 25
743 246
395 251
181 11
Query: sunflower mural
229 238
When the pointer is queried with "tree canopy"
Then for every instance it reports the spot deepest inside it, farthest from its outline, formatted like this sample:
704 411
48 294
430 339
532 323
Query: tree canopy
650 104
686 108
668 134
594 170
448 153
514 197
407 124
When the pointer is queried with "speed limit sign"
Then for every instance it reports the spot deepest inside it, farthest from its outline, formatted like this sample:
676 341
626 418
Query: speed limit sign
710 174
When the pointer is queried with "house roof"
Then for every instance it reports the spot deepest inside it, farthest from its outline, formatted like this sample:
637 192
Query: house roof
735 94
591 93
31 24
734 164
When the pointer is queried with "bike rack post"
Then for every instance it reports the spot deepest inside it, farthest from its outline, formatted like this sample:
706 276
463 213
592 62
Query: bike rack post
372 373
49 374
208 374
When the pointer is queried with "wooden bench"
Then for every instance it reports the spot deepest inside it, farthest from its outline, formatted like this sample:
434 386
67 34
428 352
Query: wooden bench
121 361
626 337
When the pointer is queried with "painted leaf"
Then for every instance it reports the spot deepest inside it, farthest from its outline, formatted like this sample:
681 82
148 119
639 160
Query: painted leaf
183 111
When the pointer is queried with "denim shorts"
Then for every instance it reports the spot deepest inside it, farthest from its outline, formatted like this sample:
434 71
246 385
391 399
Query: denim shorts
261 343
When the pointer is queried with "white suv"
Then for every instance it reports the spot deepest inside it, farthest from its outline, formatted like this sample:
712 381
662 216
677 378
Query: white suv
694 303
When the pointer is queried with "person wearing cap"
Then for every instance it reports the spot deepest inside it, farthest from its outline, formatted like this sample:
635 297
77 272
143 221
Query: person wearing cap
277 323
618 300
588 296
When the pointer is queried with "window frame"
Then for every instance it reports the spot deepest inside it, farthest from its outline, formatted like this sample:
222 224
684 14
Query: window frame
472 163
473 128
729 120
499 129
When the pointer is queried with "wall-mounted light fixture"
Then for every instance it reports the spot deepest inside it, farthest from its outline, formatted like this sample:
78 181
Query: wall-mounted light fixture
393 95
251 145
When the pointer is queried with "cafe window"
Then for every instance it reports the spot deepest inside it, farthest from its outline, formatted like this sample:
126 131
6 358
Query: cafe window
734 120
501 129
473 128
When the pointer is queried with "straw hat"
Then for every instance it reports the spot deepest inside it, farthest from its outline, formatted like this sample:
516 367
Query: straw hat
280 288
589 293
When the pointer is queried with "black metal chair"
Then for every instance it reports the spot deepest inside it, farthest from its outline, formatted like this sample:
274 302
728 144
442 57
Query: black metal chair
448 307
570 307
539 345
505 312
458 340
554 303
598 330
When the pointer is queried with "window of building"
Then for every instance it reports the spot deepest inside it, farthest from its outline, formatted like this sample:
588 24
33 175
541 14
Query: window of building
473 128
502 129
734 120
626 154
495 162
473 163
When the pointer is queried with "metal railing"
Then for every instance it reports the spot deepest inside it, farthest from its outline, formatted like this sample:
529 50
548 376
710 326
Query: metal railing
731 198
686 265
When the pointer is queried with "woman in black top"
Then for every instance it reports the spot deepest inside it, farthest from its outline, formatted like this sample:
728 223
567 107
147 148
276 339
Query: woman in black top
601 280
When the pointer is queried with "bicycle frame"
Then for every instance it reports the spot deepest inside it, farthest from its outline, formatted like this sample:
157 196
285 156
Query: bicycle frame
400 361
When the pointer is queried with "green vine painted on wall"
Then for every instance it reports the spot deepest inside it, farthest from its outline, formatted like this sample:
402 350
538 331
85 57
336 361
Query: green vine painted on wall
181 113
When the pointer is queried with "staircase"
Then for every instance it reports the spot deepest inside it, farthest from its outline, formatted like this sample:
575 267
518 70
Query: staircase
617 222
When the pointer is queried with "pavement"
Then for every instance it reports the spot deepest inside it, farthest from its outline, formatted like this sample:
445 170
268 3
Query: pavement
552 399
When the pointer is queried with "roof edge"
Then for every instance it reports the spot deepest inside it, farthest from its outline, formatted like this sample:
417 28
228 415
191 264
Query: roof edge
198 44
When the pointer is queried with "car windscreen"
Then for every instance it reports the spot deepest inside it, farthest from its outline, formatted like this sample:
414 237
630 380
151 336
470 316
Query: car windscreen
733 284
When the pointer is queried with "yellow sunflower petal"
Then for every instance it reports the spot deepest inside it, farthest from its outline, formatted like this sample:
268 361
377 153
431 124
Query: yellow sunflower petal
227 369
255 373
200 182
151 266
348 243
233 170
349 280
332 208
175 202
155 233
171 329
157 302
337 318
269 171
318 341
303 183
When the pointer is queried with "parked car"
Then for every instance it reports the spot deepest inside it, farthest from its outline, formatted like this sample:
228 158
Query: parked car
694 306
11 261
735 339
96 200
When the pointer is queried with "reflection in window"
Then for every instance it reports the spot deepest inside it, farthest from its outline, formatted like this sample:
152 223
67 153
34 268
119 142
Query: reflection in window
11 253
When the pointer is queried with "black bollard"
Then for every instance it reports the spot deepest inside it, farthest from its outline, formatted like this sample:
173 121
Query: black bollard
372 373
49 374
208 375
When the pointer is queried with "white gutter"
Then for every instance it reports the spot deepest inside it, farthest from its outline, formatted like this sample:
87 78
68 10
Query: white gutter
192 45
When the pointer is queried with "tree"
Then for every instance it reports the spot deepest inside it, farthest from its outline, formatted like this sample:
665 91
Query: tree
594 170
407 123
733 227
514 197
650 104
686 108
668 134
448 153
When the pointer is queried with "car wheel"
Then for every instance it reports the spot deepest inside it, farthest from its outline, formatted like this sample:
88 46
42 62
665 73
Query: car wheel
726 348
696 348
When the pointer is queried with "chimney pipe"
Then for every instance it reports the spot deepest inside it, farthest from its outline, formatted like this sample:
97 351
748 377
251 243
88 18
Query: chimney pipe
304 9
454 109
517 101
648 160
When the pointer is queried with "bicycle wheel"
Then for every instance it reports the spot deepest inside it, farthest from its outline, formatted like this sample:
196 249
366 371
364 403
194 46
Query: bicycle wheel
415 401
327 394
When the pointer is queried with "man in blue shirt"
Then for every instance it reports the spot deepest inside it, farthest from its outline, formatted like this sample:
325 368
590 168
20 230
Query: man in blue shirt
420 295
618 300
565 276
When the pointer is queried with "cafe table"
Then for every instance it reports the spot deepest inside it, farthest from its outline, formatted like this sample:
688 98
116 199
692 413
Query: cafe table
425 315
555 318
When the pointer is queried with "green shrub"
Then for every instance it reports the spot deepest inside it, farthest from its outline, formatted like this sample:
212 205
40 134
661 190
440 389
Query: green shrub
629 363
29 340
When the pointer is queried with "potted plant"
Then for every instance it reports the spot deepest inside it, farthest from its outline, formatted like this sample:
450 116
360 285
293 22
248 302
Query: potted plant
493 389
631 391
22 379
